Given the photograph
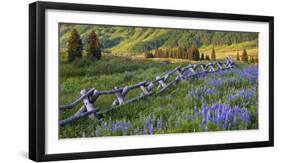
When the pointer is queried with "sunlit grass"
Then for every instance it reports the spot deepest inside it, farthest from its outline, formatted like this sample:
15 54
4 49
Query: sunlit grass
169 112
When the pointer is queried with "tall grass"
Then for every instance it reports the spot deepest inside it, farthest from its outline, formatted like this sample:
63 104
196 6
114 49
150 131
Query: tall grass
181 108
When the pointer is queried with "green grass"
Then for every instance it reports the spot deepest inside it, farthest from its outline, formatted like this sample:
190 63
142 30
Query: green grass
113 71
231 50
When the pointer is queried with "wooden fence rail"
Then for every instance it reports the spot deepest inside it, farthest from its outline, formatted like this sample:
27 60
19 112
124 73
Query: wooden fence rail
88 97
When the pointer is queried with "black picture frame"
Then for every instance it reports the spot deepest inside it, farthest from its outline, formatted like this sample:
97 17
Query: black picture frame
37 80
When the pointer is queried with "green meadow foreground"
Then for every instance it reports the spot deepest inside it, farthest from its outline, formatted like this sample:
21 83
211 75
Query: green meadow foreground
225 100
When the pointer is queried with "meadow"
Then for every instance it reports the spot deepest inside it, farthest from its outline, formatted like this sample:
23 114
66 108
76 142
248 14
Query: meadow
225 100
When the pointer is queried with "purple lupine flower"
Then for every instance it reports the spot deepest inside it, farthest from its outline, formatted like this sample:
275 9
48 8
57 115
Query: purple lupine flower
201 92
151 129
182 115
245 94
234 121
249 73
195 113
125 127
216 82
204 113
223 115
208 117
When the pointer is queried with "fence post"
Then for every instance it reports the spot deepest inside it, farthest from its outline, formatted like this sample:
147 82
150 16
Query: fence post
144 90
211 68
81 110
161 82
219 65
87 104
179 73
120 98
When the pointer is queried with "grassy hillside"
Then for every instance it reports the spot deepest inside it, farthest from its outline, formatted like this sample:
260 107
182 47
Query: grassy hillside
133 40
231 50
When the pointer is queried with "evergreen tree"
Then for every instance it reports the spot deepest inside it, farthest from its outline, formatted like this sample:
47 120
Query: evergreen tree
207 57
213 54
252 59
148 55
196 54
93 46
74 46
193 56
202 57
186 52
237 56
190 53
244 56
256 59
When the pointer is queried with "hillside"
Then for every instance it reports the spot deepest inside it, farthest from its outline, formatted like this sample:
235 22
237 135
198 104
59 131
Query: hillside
132 40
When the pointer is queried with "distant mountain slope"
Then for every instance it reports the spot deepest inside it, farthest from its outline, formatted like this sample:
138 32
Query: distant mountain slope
131 40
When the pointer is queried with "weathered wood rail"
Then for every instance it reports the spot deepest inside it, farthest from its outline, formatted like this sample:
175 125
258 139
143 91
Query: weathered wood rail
88 97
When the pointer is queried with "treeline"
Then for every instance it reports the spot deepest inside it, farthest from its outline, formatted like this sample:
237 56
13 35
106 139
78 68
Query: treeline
194 54
75 46
181 52
180 38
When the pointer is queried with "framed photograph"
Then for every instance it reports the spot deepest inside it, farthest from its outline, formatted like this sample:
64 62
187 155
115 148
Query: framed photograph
110 81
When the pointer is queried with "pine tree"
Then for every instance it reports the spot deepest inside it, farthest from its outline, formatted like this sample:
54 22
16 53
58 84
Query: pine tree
190 53
207 57
202 57
185 53
196 54
148 55
252 59
256 59
74 46
213 54
193 56
237 56
244 56
93 46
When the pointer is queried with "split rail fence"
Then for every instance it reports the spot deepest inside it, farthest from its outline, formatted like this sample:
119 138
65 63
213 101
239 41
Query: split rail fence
88 97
